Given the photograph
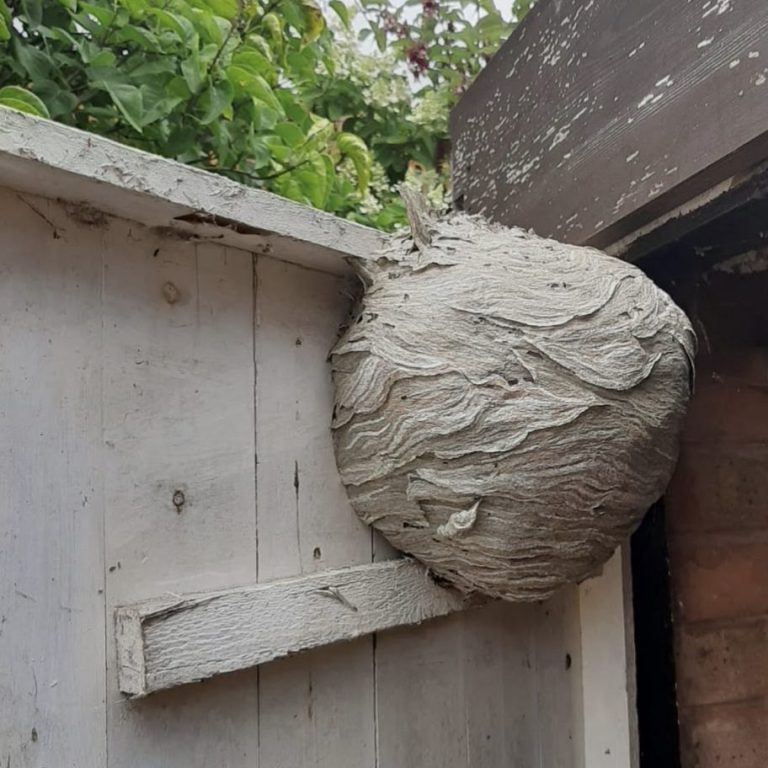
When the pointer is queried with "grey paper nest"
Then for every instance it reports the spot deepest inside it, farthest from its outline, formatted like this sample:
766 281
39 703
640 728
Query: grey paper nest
507 407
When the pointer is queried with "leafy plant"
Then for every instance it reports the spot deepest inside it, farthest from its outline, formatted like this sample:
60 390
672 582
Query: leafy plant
398 97
216 83
446 42
261 91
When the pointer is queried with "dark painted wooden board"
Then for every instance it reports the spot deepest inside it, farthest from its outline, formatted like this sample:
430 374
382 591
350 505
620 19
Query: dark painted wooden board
598 116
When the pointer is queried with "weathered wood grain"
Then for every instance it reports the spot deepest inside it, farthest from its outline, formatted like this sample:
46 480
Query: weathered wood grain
162 644
178 472
598 117
315 709
90 171
608 674
556 656
52 621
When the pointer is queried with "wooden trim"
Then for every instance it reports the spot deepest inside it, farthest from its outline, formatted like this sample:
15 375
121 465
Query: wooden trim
714 202
42 157
166 643
596 118
607 667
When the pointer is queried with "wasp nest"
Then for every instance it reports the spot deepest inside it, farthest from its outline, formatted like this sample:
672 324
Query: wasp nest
507 407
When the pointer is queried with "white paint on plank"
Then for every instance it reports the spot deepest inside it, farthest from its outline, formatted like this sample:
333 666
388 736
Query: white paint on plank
501 688
557 661
316 709
61 162
166 643
178 417
420 696
610 727
52 666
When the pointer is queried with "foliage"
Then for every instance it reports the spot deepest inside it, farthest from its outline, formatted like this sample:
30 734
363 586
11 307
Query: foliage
216 83
447 42
398 100
259 90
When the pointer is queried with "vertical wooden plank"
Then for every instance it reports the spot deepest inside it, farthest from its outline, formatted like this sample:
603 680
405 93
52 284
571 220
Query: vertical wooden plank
179 474
420 693
315 709
462 691
501 688
52 708
610 728
557 653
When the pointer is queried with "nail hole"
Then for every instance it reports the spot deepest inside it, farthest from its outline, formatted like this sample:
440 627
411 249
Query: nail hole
317 554
179 499
171 293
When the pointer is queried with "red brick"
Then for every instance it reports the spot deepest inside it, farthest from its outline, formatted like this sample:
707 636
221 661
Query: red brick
717 665
723 413
719 487
716 576
733 366
725 735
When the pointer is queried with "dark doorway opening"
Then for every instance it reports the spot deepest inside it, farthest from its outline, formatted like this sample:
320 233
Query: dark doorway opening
659 738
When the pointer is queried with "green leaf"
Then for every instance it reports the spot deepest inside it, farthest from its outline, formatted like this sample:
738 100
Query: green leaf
314 23
258 153
193 71
290 133
341 11
380 36
103 15
227 9
33 10
104 58
262 117
261 45
355 149
5 33
158 103
253 61
182 141
321 129
178 88
147 70
129 100
144 38
136 8
293 13
22 100
175 23
60 102
37 65
254 85
315 180
211 28
215 100
274 28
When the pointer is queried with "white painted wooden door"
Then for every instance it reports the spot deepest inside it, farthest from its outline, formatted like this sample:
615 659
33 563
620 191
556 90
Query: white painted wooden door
164 412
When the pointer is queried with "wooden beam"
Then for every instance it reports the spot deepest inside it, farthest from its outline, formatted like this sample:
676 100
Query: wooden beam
596 118
607 666
90 172
166 643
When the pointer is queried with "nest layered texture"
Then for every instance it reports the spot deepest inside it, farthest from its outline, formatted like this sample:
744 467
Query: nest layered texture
507 407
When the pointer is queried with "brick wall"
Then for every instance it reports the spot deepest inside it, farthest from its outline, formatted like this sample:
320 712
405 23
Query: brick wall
717 523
